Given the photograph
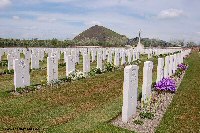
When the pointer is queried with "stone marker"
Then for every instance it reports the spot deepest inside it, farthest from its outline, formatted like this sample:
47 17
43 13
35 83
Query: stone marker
52 69
99 61
21 73
130 87
129 57
86 63
123 60
166 67
35 61
70 65
170 64
116 58
147 80
109 59
93 53
160 69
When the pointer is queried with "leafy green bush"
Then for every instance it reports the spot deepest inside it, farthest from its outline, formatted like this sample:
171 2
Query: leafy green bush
178 73
95 71
4 63
138 122
61 64
66 79
146 115
76 75
109 67
19 89
8 71
43 82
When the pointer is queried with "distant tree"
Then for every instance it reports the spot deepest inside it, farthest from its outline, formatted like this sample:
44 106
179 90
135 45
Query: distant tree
191 44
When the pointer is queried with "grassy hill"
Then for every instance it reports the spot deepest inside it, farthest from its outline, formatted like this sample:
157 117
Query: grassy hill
99 35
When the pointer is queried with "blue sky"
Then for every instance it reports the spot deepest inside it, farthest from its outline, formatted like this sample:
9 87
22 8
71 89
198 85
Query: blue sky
62 19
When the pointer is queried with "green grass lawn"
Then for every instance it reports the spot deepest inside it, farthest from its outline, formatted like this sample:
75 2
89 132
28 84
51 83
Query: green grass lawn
183 114
88 105
85 105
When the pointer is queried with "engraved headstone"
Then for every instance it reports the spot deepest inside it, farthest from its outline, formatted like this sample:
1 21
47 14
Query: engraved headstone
70 65
52 69
21 73
130 88
86 63
160 69
147 80
166 67
99 61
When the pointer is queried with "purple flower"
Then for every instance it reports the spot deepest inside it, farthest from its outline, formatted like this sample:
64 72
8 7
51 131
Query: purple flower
182 67
166 84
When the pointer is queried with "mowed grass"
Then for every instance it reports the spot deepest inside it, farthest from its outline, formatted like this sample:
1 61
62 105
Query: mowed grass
85 105
183 114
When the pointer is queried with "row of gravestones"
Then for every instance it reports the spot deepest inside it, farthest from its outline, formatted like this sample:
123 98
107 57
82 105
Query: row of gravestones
34 55
71 57
130 86
21 67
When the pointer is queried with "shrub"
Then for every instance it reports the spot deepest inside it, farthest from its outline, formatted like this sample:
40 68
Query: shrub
4 63
43 82
138 122
76 75
55 82
8 71
178 73
66 79
146 115
61 64
109 67
95 71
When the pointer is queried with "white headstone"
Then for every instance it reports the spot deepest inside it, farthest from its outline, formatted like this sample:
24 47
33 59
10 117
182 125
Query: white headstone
174 64
109 59
35 61
52 69
93 52
99 61
86 63
123 60
21 73
166 67
11 57
104 54
129 57
130 87
170 64
70 65
116 59
160 69
147 80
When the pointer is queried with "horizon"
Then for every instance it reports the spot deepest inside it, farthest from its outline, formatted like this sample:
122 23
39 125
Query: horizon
64 19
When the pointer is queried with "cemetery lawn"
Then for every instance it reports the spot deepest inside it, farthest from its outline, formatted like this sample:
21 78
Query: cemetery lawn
183 114
86 105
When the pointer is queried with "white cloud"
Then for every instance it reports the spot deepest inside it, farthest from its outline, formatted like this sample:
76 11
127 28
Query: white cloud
15 17
30 28
4 3
92 23
58 1
46 19
170 13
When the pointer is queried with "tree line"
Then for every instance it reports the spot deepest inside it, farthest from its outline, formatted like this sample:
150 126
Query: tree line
111 42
